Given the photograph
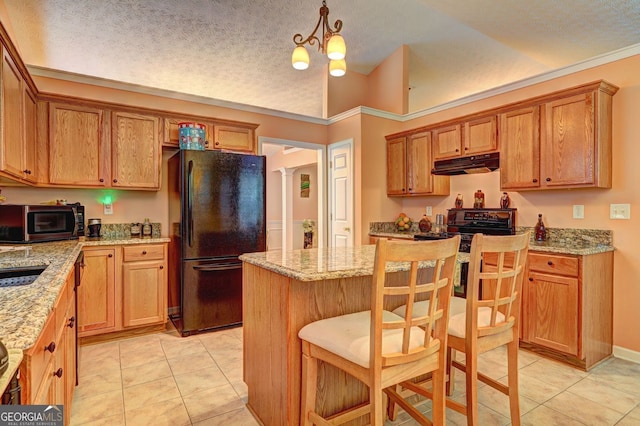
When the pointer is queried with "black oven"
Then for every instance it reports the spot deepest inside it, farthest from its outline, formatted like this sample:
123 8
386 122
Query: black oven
36 223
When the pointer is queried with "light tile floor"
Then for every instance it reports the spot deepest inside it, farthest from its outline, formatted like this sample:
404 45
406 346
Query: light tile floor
162 379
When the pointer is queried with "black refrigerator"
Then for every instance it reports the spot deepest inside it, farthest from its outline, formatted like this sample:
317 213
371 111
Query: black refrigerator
216 213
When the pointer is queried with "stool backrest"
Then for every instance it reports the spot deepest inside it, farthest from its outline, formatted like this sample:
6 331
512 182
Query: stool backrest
498 264
421 335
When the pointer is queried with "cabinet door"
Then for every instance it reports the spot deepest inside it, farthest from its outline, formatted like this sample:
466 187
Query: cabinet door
396 167
419 164
447 142
480 135
568 144
96 293
78 146
171 132
234 138
136 151
30 125
520 149
143 293
552 311
12 145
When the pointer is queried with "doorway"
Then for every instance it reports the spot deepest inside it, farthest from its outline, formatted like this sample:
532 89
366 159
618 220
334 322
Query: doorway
296 192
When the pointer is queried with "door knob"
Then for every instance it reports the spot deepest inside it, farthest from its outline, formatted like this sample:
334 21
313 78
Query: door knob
347 229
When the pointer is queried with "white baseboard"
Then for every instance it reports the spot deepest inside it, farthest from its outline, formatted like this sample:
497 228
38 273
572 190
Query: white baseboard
626 354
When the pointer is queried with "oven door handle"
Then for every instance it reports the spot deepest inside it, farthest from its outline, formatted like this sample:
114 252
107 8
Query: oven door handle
221 267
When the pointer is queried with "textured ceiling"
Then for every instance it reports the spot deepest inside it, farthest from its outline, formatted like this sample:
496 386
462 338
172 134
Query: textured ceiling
240 50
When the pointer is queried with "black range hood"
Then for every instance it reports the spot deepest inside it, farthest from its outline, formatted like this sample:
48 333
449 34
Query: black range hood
482 163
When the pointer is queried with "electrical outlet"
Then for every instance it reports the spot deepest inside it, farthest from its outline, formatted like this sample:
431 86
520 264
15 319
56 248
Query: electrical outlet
108 208
620 211
578 211
429 211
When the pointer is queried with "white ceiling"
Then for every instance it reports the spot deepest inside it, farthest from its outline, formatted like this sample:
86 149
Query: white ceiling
240 50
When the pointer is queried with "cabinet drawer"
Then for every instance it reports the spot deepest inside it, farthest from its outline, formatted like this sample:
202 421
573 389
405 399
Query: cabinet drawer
554 264
38 356
143 252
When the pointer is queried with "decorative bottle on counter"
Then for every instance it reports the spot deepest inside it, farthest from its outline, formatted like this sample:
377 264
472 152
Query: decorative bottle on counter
459 201
478 200
505 201
424 224
146 228
541 231
135 230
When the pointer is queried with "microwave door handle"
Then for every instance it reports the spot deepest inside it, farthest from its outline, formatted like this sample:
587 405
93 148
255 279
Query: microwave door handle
74 210
190 203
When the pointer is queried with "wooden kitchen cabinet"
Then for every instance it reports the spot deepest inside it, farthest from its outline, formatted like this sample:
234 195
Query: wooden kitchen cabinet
409 164
18 117
48 367
136 156
474 136
234 138
563 141
144 285
568 307
79 152
520 149
171 131
97 292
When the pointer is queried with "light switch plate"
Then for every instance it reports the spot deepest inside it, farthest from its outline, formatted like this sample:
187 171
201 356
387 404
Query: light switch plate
108 208
620 211
429 211
578 211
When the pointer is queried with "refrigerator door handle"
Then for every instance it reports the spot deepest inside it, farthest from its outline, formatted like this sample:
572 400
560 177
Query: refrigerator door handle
190 203
221 267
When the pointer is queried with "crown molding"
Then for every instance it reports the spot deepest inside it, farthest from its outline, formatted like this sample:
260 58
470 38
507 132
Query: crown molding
603 59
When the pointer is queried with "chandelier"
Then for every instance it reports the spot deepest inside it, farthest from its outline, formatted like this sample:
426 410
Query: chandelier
332 44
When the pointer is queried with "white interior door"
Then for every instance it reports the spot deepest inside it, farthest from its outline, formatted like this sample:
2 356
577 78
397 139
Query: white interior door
341 194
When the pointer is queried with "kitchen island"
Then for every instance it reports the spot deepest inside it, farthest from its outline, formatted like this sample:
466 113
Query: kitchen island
284 291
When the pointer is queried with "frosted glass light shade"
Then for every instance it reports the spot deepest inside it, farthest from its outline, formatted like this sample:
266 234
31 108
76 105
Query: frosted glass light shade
300 58
336 48
337 68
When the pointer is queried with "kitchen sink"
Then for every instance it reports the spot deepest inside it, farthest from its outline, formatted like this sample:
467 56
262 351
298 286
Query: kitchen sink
13 277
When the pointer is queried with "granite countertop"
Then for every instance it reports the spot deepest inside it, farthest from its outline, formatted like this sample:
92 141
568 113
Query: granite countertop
24 309
324 264
578 244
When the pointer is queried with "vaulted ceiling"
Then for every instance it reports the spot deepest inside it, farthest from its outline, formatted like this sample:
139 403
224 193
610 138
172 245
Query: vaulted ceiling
240 50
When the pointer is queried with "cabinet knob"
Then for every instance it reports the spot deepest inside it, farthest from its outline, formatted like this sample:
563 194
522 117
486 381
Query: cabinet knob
58 372
466 148
217 143
101 180
457 150
144 252
26 171
535 181
72 321
115 181
110 255
548 179
550 263
161 267
410 189
50 347
530 279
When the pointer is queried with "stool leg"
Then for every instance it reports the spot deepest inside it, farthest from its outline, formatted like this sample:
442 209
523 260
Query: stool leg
309 385
512 367
451 353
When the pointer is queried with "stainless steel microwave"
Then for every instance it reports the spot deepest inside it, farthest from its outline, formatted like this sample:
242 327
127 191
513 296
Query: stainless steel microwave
36 223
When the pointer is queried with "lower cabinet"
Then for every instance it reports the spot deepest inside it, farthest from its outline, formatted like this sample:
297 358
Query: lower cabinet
123 287
48 370
568 307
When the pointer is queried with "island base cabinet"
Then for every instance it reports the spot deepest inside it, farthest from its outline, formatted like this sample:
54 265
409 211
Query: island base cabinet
568 307
275 308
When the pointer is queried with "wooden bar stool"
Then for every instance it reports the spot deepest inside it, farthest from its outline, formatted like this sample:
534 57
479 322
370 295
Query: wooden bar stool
382 349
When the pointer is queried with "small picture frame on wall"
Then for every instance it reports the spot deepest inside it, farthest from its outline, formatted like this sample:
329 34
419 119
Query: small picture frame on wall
305 186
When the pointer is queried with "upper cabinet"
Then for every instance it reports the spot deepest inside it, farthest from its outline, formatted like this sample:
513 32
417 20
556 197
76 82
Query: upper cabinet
18 118
520 149
136 156
227 135
562 142
475 136
78 146
409 163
